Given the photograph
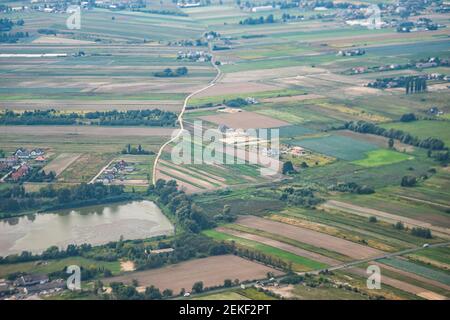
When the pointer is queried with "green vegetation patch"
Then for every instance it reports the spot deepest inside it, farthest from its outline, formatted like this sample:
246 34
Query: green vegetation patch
381 157
304 263
424 129
417 269
337 146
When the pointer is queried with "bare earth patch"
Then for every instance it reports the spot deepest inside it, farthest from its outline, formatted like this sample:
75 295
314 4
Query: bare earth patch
245 120
61 162
212 271
127 266
345 247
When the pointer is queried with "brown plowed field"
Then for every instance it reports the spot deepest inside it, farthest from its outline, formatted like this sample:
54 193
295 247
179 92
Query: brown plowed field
345 247
212 271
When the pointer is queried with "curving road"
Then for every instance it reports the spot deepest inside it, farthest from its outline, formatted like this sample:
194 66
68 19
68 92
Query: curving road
180 116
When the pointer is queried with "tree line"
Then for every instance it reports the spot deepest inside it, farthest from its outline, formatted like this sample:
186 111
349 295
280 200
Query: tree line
16 199
153 117
368 127
169 73
261 20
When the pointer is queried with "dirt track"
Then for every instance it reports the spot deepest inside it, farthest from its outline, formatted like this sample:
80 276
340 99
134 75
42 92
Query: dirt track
345 247
212 271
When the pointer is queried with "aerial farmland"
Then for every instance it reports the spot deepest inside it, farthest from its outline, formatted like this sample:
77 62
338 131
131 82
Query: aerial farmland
222 150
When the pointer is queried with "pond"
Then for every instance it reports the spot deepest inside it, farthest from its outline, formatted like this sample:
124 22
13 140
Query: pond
94 225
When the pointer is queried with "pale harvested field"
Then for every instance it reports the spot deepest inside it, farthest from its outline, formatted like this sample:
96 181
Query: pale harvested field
389 217
127 266
208 178
59 40
186 187
345 247
245 120
86 106
283 246
212 271
236 88
302 97
61 162
187 177
258 75
404 286
86 131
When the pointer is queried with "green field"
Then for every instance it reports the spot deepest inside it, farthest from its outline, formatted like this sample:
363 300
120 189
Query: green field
57 265
381 157
439 276
337 146
424 129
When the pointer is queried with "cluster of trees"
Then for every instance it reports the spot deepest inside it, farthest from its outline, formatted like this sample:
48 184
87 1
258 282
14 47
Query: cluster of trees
168 72
52 252
87 273
164 12
411 83
15 199
154 117
263 258
147 117
288 168
47 31
415 85
35 174
189 216
121 291
408 117
6 26
286 17
368 127
408 181
12 37
303 196
260 20
235 103
352 187
37 117
186 246
226 215
421 232
133 150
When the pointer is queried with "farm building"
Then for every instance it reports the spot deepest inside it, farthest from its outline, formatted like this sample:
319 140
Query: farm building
19 173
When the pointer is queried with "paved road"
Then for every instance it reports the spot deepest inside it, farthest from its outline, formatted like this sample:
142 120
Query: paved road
180 116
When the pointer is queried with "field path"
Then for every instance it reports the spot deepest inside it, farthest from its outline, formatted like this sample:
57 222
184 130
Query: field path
389 217
180 116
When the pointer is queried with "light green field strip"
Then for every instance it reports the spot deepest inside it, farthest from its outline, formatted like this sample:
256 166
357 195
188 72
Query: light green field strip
382 157
304 263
